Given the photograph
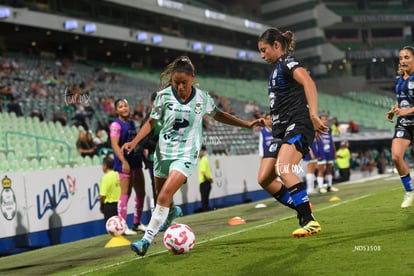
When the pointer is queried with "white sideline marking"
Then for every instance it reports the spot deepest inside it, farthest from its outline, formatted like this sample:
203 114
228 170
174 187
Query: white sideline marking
223 236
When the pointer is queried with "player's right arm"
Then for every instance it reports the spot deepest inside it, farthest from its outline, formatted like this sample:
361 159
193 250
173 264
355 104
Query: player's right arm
143 132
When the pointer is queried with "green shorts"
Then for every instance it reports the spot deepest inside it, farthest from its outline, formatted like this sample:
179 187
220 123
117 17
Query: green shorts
163 168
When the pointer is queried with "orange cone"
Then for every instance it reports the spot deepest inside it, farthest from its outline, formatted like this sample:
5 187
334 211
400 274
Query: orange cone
236 221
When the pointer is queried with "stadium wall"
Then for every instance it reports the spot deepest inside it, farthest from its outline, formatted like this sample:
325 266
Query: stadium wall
43 208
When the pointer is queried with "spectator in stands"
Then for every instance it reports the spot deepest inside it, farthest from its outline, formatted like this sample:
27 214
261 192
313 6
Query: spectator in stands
109 189
404 109
295 120
248 109
343 162
85 147
36 89
129 166
108 104
7 91
335 126
180 106
366 163
353 127
381 162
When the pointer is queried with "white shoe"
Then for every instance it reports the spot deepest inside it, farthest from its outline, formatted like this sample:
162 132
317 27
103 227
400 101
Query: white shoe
129 232
312 192
408 199
323 191
332 189
139 227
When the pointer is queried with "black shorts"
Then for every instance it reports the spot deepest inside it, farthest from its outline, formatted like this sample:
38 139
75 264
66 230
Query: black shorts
300 135
404 128
109 210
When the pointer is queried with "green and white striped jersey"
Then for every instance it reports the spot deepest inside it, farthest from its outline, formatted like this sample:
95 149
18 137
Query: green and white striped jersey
182 123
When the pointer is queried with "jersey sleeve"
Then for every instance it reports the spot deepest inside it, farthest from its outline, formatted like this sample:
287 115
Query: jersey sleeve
157 109
115 130
103 189
211 107
291 63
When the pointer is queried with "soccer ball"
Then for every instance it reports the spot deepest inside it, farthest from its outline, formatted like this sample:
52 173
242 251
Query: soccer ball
179 238
116 226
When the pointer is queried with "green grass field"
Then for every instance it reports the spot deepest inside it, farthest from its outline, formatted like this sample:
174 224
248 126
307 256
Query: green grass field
364 233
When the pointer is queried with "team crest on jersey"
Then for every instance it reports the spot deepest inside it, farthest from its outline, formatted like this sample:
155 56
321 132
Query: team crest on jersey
411 85
198 108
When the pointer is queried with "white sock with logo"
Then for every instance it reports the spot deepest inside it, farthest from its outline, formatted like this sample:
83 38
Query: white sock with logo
157 219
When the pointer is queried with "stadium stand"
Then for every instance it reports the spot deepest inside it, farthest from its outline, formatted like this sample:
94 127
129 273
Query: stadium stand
35 150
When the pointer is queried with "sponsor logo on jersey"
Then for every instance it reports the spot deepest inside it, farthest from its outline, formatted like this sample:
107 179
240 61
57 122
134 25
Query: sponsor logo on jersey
273 148
406 122
404 104
291 127
180 124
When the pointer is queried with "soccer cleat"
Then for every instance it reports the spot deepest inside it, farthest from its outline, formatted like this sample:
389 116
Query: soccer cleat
129 232
176 212
323 191
140 247
312 227
332 189
408 199
139 227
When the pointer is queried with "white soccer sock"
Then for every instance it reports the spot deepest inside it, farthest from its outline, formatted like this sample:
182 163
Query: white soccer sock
310 181
157 219
319 179
329 179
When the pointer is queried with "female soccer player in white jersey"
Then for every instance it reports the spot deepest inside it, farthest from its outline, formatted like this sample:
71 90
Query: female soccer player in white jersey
294 109
181 107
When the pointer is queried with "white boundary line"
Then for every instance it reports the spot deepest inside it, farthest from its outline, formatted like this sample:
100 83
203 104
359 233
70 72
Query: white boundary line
223 236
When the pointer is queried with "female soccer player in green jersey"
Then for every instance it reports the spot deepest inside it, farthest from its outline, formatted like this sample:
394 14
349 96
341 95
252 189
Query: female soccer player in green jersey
181 107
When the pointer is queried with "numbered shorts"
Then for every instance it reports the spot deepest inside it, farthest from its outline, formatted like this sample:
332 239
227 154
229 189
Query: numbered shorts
163 168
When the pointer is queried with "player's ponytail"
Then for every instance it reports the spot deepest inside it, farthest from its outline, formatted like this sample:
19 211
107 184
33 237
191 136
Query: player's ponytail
290 40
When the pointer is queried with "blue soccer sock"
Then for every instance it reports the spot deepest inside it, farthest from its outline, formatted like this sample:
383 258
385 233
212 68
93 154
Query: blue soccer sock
284 197
407 182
